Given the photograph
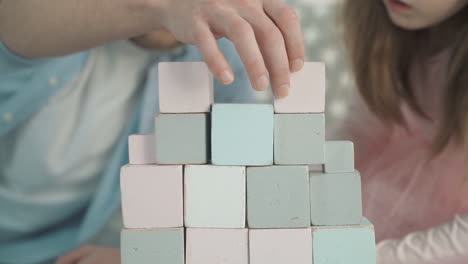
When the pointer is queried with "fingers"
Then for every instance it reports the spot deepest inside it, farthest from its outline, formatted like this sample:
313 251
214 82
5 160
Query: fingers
74 256
287 20
240 32
208 47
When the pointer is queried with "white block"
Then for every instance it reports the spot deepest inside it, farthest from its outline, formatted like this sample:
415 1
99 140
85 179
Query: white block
185 87
215 196
307 93
152 196
280 246
217 246
141 149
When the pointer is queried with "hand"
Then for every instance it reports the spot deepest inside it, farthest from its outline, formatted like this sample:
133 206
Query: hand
91 255
266 33
161 40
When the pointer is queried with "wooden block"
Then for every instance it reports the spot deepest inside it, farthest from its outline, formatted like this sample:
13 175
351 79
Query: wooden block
185 87
344 244
150 246
242 134
141 149
182 139
280 246
339 156
307 94
335 198
215 196
216 246
152 196
278 197
299 139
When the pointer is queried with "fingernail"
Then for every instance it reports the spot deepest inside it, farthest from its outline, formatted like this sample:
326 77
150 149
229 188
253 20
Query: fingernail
226 77
283 91
262 83
297 65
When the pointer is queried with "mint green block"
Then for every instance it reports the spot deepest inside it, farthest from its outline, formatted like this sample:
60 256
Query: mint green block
335 198
278 197
344 244
299 139
182 139
242 134
339 156
150 246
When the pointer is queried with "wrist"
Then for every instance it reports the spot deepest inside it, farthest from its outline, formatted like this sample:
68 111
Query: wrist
151 13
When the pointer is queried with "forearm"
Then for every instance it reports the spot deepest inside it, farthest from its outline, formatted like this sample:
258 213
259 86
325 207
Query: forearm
44 28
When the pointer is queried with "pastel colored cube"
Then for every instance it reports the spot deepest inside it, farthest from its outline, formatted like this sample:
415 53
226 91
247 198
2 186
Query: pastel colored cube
152 196
215 196
182 139
185 87
215 246
242 134
280 246
307 93
335 198
299 139
339 156
344 244
149 246
278 197
141 149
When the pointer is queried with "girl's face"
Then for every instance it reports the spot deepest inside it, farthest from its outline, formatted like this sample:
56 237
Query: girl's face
419 14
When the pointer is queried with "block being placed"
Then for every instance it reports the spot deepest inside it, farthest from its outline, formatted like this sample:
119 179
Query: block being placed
242 134
307 93
278 197
152 196
335 198
215 196
141 149
344 244
299 139
216 246
182 139
280 246
149 246
339 156
185 87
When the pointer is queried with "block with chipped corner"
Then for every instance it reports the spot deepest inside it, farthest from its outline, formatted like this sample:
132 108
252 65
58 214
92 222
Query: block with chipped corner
335 198
242 134
141 149
182 139
339 156
278 197
185 87
307 93
152 196
214 196
279 246
149 246
299 139
344 244
215 246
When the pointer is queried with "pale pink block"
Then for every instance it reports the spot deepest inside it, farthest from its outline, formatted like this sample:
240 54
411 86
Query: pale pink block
152 196
215 246
280 246
185 87
307 93
141 149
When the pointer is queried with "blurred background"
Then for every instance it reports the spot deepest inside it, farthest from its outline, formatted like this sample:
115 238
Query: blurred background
323 43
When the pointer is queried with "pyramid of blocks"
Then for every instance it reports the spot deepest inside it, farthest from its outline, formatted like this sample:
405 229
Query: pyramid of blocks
241 183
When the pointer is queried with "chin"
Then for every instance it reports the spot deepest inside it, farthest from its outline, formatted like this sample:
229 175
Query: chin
408 23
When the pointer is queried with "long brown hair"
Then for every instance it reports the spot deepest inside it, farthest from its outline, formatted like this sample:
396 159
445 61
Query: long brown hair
381 55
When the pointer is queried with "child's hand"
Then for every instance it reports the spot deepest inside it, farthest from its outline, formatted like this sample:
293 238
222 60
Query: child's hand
91 255
267 35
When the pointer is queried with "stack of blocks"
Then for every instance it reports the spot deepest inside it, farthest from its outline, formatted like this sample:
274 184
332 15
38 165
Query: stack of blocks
257 202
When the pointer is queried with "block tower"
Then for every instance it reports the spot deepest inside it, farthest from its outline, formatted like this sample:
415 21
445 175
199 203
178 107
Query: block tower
241 183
